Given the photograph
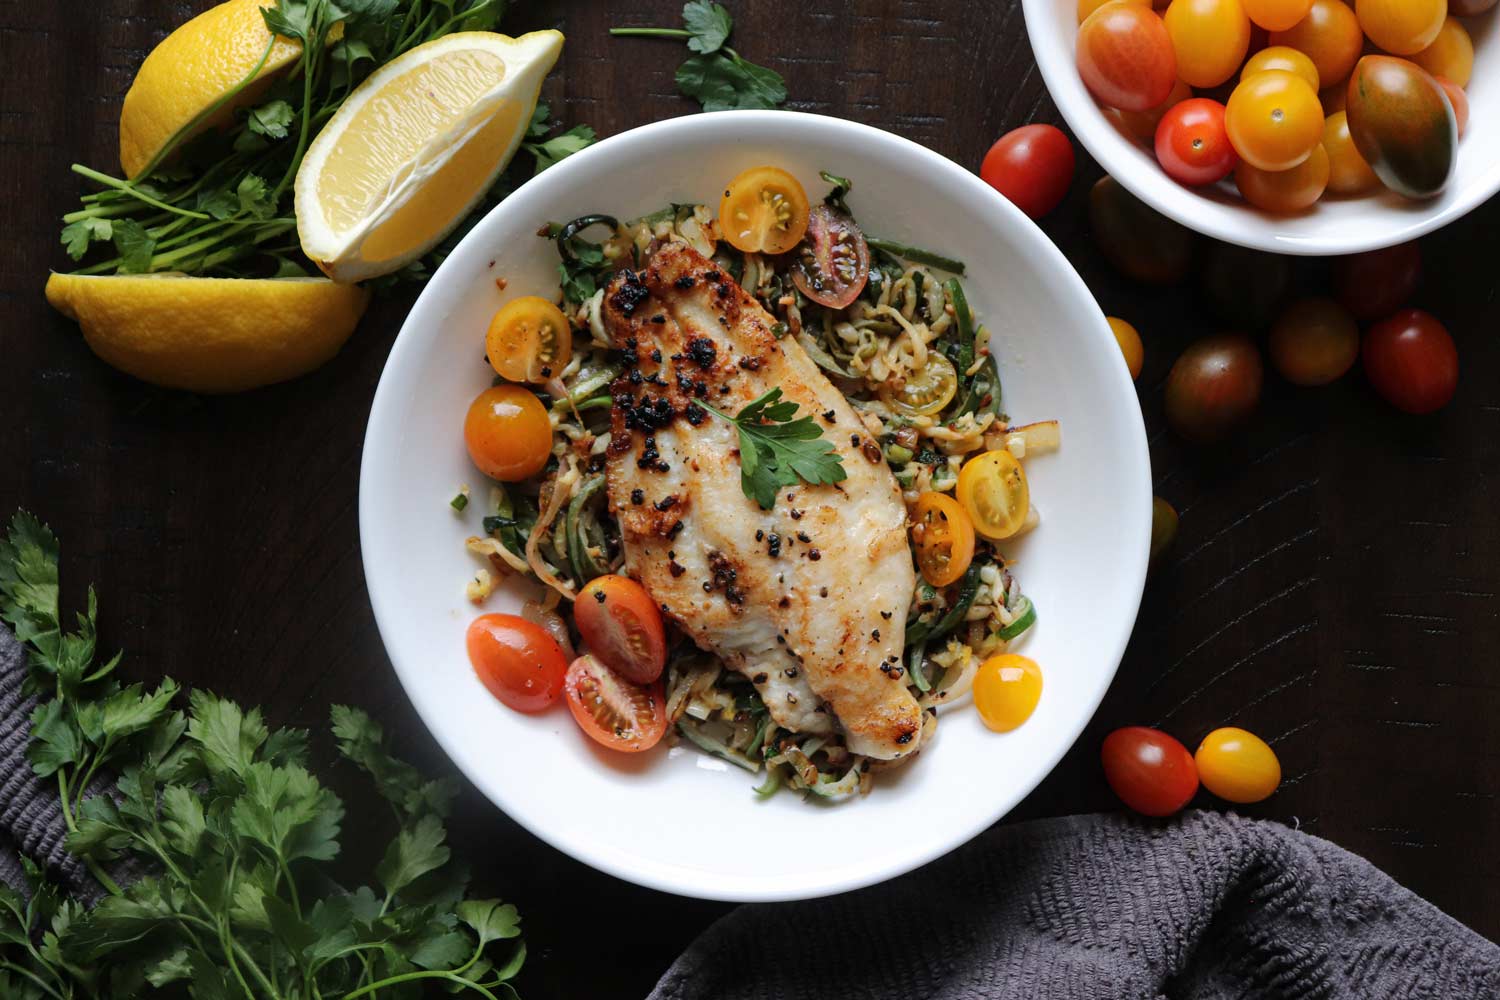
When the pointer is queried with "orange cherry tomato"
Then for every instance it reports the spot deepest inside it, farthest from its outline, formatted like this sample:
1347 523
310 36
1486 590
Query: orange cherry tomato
1348 173
1314 342
517 661
944 536
508 433
1125 57
1283 58
764 210
1150 771
1191 144
1087 7
1142 124
1129 339
1277 15
1007 689
1450 55
1330 36
622 626
613 711
1285 192
1274 120
1210 38
1237 766
1401 27
529 340
1459 99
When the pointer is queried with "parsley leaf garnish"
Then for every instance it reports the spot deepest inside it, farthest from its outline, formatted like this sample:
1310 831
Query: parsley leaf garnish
778 448
717 76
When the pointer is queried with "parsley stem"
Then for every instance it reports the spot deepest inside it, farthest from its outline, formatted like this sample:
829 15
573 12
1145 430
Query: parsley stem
650 33
40 982
411 977
128 188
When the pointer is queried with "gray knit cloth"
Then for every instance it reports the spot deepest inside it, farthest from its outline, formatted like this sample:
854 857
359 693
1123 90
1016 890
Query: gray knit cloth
1204 907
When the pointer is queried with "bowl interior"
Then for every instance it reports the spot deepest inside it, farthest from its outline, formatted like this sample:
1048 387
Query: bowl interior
1334 225
677 819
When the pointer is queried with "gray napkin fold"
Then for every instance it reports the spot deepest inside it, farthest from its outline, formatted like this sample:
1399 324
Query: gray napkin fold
1204 907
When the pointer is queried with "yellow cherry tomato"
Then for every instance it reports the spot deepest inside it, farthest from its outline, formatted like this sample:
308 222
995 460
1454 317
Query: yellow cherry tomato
1285 192
1274 120
529 340
1451 54
1210 38
927 391
944 537
1087 7
1277 15
764 210
1129 340
1235 765
508 433
1006 690
1348 173
1330 36
1282 57
1401 27
992 488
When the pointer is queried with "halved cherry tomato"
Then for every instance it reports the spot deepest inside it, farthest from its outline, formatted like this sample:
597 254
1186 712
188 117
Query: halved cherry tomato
764 210
1450 55
1459 99
1329 35
833 263
1285 192
1277 15
1274 120
1210 38
1412 361
1032 166
1007 689
1129 339
1284 58
1237 765
1348 173
621 626
992 488
1401 27
529 340
613 711
1150 771
517 661
1142 124
1192 145
927 391
1125 57
508 434
944 536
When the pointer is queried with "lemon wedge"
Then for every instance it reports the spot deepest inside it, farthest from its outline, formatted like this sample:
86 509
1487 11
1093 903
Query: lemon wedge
210 335
415 147
181 86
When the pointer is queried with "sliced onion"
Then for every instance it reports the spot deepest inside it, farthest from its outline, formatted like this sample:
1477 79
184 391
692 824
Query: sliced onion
553 623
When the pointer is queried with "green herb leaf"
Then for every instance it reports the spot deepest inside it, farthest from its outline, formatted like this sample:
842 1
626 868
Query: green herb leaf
414 853
78 236
491 919
271 119
134 245
723 83
710 24
227 736
561 146
777 450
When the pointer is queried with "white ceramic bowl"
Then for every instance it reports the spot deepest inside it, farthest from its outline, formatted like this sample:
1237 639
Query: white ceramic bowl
1334 225
677 819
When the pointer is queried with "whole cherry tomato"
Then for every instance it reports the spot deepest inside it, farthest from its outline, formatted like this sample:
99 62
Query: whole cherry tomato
1458 100
1470 8
1129 339
1412 361
1285 192
1032 166
1214 387
1274 120
1007 688
1087 7
1277 15
1210 38
1314 342
1401 27
1244 287
1330 36
1285 59
1237 766
1192 145
1375 284
1403 125
1150 771
1125 57
1348 173
1142 124
1450 55
1163 530
1138 240
508 433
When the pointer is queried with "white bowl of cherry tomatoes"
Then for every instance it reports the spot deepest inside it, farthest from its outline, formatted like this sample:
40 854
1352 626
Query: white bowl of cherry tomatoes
1311 127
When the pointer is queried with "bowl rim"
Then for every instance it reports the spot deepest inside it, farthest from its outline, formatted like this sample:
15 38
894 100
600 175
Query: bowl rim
384 417
1097 135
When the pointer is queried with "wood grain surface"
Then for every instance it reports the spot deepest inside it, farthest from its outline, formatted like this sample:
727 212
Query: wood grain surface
1334 586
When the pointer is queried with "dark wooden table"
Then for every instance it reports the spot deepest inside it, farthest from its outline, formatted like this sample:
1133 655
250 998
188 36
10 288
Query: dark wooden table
1334 586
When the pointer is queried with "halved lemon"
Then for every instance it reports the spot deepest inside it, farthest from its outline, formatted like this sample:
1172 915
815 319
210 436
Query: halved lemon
415 147
209 335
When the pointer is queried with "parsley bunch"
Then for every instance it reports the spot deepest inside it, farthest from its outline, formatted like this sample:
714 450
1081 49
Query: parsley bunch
777 450
221 203
716 76
239 836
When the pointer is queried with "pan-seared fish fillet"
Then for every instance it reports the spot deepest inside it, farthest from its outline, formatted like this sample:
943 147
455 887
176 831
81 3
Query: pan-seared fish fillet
808 600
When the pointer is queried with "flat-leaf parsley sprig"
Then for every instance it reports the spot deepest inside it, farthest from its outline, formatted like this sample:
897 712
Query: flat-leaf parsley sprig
716 76
777 450
239 836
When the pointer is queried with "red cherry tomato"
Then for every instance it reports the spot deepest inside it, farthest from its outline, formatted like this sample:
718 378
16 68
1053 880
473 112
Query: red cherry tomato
517 661
1150 771
1412 361
1375 284
1032 166
613 711
1192 145
1125 57
620 623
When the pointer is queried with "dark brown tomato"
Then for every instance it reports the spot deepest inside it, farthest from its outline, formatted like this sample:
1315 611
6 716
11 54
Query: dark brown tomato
1138 240
1375 284
1403 125
833 262
1214 387
1244 287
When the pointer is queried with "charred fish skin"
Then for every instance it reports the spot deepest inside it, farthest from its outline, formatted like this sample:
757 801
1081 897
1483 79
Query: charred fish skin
809 599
